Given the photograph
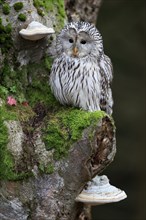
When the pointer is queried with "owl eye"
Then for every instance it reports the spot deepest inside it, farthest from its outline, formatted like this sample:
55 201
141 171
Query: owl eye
71 41
83 42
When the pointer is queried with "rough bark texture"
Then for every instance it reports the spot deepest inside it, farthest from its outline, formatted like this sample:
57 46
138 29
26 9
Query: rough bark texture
53 196
39 182
82 10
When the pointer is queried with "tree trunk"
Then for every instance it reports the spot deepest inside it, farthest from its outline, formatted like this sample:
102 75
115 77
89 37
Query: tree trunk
82 10
48 152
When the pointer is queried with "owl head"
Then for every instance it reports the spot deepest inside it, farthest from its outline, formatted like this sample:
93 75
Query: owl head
78 40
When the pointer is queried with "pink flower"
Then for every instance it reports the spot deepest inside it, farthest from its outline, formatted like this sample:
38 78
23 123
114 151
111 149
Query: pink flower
11 101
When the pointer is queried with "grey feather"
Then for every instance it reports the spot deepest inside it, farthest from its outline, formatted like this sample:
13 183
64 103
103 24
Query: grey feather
81 74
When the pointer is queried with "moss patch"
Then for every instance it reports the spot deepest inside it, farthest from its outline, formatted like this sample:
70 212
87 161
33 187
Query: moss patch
22 17
18 6
56 8
39 90
6 159
15 83
45 5
5 37
49 169
6 9
66 127
7 164
2 1
3 92
8 168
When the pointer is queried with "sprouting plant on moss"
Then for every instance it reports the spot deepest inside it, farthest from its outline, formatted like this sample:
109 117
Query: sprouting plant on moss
18 6
22 17
13 89
6 9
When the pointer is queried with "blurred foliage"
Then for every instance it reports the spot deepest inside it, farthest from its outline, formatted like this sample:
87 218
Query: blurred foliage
122 25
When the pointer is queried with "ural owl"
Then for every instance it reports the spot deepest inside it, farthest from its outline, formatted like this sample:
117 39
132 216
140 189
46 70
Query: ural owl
81 73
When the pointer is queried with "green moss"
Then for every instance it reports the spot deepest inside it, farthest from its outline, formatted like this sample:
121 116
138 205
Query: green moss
8 28
61 16
66 127
5 37
38 94
40 12
8 168
6 9
2 2
6 69
15 82
22 17
48 170
47 5
3 92
48 63
50 5
39 90
56 8
0 20
6 159
11 82
18 6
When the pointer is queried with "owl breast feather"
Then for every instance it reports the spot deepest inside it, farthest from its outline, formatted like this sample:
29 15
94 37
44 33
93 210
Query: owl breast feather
76 82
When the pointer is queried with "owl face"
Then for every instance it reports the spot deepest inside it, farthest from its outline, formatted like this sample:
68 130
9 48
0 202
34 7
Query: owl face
78 40
76 44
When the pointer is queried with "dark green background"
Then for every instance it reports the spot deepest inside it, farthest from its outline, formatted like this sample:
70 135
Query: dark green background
122 25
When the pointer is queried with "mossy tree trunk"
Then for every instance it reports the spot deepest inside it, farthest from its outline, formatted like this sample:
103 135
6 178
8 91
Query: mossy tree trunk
47 152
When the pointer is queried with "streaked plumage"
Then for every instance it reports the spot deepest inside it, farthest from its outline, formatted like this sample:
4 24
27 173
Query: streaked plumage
81 73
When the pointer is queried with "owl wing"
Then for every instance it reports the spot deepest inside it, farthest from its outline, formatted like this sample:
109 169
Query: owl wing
106 71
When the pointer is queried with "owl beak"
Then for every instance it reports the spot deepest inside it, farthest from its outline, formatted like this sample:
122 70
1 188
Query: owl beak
75 51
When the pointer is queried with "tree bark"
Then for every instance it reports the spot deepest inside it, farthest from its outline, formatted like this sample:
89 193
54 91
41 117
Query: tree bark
82 10
35 183
52 196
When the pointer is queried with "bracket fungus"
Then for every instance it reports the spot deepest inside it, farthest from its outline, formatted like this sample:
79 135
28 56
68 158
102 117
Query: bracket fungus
36 31
100 191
